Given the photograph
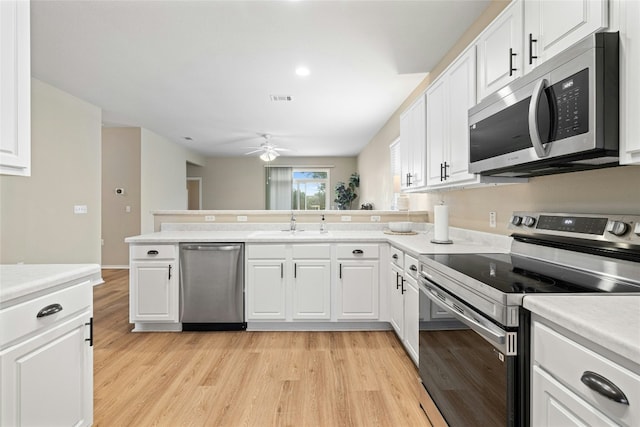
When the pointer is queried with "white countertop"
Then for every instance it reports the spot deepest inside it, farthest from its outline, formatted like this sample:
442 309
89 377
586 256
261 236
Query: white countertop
19 280
463 241
612 321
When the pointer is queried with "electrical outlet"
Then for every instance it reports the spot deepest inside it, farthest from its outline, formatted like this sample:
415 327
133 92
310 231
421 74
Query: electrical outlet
127 209
211 218
242 218
492 219
80 209
345 218
375 218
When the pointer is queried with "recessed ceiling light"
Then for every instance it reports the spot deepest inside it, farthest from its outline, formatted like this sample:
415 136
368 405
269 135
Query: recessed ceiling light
188 138
302 71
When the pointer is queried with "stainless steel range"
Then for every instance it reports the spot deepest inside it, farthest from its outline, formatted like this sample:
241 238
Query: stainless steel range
474 359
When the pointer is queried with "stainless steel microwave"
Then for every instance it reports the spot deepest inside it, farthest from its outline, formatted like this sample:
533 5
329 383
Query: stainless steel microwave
563 116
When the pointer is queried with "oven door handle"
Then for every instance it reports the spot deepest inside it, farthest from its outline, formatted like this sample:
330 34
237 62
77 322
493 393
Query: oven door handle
490 335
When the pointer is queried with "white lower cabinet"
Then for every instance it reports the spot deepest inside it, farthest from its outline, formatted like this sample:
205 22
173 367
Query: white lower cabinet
311 289
46 361
153 284
288 282
404 300
570 377
396 298
265 289
358 287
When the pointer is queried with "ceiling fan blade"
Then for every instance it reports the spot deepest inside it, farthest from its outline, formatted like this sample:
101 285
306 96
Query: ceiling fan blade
253 152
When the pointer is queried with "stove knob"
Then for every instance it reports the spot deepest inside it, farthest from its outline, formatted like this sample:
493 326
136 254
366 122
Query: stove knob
529 221
637 229
617 228
516 220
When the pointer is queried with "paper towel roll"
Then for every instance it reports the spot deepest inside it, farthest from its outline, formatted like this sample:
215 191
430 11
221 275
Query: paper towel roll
441 223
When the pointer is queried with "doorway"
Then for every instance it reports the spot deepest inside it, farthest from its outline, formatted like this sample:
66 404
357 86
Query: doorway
194 193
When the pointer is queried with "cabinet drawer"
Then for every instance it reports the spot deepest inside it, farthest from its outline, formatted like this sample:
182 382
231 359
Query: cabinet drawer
21 319
355 251
149 252
397 257
567 361
311 251
265 251
411 266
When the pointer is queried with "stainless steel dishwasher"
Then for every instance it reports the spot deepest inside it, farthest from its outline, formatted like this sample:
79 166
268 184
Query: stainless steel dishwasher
212 286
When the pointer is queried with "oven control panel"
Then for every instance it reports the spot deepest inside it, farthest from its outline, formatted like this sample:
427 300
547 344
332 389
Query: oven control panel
613 228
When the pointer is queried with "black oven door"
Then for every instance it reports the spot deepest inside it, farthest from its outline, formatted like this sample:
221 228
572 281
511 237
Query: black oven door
464 364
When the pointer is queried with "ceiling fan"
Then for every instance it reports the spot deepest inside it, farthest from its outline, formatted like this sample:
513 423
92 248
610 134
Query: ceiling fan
268 151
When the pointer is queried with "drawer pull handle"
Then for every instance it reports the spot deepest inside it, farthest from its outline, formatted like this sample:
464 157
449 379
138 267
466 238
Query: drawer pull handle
49 310
395 256
357 252
413 268
600 384
152 252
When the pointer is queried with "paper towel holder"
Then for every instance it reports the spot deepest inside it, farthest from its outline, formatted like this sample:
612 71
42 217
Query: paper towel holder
441 241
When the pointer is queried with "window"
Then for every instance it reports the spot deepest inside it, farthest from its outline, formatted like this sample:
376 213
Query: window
297 188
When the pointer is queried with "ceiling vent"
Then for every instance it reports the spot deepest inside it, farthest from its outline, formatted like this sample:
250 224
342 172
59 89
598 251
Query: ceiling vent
281 98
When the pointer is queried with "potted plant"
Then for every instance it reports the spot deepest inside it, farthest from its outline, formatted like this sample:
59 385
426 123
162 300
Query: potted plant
346 193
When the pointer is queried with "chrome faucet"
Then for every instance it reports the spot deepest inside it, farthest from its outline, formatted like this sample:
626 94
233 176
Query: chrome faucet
292 223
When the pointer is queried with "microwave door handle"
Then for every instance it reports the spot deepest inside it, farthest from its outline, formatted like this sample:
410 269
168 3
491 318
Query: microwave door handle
492 336
541 151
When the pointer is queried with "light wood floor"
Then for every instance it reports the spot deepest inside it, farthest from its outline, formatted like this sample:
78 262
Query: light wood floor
245 378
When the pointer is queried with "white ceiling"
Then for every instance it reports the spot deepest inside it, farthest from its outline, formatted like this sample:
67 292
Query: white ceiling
206 69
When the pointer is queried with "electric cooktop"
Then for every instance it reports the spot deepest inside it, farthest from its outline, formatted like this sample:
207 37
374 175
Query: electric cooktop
511 273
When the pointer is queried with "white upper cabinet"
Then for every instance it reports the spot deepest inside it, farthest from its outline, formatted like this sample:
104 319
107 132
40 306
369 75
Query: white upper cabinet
500 51
448 101
412 146
529 32
552 26
15 88
629 67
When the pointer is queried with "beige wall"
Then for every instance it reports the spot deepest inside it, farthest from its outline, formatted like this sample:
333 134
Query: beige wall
373 161
239 182
37 223
120 169
613 190
163 172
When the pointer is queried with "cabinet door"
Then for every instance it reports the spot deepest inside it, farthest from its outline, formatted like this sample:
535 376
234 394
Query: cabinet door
47 380
311 289
358 291
412 145
500 51
15 88
552 26
411 317
397 301
266 289
462 96
553 404
629 83
153 292
437 130
405 151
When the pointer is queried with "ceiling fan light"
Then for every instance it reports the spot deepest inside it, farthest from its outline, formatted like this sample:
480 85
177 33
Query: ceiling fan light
269 156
